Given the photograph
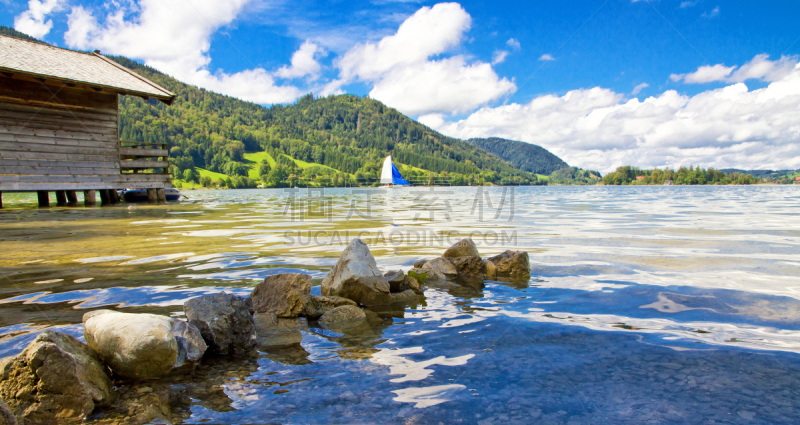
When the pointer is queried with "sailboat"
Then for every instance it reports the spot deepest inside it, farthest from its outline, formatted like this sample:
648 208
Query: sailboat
390 175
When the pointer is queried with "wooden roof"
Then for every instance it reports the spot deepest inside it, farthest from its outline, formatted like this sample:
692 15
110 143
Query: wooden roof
44 62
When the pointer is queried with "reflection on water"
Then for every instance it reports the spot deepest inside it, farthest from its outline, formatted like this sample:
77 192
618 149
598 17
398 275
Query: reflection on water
646 305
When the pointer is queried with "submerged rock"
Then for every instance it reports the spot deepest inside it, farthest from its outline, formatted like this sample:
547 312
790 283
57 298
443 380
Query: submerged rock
356 276
396 278
55 379
284 294
406 297
150 403
275 331
509 264
462 248
317 306
142 346
225 322
345 315
6 416
469 266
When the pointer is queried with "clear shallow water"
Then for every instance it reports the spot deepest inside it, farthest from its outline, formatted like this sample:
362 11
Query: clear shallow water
649 304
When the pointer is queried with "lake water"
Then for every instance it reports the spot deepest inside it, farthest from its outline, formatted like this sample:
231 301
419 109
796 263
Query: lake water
646 304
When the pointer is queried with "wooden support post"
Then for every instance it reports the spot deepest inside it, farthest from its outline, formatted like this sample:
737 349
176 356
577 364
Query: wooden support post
61 197
1 199
113 195
152 197
104 200
89 197
44 198
162 197
72 197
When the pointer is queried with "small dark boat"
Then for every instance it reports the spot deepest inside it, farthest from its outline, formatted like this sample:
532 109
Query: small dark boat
140 195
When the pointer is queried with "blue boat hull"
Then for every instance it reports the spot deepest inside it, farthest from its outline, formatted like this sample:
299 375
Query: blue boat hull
140 195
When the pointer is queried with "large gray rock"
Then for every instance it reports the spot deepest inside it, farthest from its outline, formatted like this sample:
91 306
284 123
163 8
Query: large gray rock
284 294
274 331
55 379
396 278
6 415
142 346
356 276
469 266
462 248
346 315
317 306
509 264
225 322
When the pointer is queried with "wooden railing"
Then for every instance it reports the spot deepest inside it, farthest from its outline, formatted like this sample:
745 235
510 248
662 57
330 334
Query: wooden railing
136 157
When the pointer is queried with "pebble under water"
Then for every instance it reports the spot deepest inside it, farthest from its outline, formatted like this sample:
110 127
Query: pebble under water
646 304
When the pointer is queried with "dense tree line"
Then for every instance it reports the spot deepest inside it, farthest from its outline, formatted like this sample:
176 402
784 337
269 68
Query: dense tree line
684 176
574 175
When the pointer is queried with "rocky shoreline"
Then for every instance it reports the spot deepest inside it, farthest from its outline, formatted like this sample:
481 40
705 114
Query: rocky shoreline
59 379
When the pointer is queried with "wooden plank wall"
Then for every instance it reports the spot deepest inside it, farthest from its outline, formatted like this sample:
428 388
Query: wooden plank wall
60 138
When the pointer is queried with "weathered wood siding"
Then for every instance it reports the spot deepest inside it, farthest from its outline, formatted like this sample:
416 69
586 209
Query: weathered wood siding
61 138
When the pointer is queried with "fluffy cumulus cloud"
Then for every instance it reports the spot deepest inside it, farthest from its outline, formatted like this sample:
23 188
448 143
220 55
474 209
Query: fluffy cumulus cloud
546 57
304 63
34 21
404 76
597 128
759 68
174 36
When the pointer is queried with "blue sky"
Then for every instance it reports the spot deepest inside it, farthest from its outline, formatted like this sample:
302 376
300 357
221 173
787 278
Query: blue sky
600 83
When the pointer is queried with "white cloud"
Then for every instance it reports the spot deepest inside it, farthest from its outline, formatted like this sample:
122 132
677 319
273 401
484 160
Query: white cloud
759 68
403 76
174 36
686 4
639 88
546 57
499 56
598 129
429 31
32 21
705 74
303 63
713 13
447 86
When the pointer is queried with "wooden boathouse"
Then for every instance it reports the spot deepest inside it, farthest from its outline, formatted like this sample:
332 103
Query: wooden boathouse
59 126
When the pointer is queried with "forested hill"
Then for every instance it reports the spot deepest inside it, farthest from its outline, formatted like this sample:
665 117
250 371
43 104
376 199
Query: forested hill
346 133
525 156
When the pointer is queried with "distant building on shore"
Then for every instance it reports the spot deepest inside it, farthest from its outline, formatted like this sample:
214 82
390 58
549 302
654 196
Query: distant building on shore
639 178
668 183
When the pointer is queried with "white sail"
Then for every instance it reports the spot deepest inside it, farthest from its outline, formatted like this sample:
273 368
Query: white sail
386 172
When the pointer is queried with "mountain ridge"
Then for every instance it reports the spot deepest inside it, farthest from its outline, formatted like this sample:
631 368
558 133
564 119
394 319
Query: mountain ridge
524 156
